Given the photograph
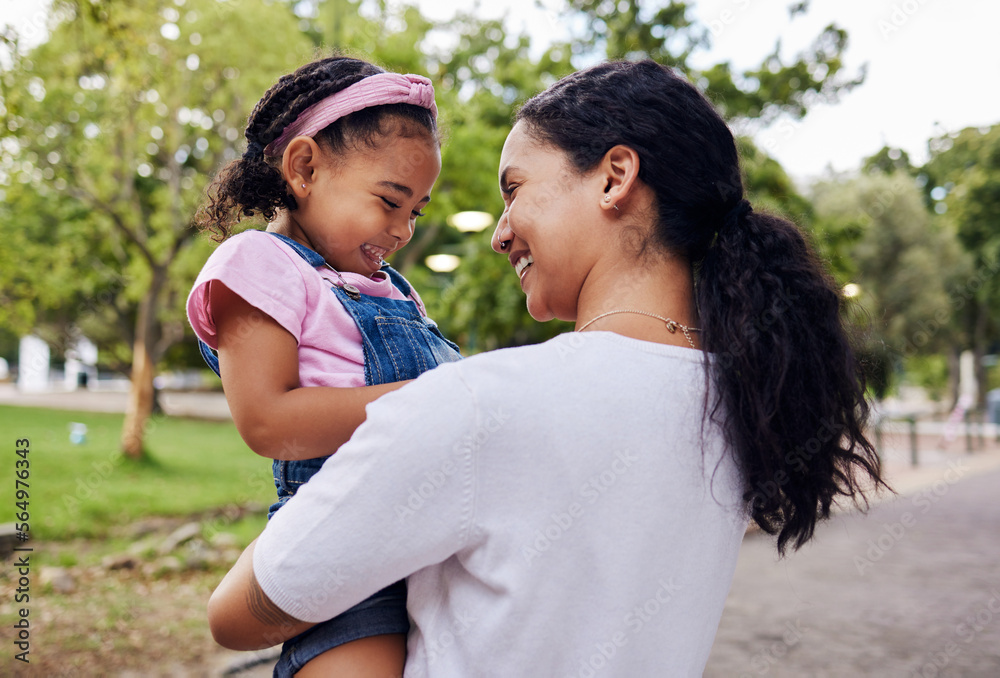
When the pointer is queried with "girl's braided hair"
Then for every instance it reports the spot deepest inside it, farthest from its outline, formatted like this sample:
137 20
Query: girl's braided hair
254 184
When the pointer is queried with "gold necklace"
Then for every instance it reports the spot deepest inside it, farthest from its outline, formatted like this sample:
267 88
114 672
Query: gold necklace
672 325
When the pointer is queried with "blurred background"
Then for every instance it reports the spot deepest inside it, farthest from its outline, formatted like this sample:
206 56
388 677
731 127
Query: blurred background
872 125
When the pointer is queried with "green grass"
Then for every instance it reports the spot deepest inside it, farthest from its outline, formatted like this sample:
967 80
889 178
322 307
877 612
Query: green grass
85 490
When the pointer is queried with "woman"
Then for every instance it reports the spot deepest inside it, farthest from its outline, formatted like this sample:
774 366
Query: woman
578 506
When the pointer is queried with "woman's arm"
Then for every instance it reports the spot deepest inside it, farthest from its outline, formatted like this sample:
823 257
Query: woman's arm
353 529
242 617
259 362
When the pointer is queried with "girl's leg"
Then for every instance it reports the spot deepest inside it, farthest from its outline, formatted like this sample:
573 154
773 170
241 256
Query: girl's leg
373 657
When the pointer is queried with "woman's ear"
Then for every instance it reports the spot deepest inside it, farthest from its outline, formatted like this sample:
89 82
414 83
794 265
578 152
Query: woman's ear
619 170
299 163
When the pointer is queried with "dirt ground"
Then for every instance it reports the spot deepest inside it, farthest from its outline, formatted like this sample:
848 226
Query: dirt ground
122 622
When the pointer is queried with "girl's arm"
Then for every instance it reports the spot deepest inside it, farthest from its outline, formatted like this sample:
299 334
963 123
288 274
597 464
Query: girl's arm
259 362
242 617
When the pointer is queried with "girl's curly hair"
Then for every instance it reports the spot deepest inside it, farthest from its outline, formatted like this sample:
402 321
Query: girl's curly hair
254 185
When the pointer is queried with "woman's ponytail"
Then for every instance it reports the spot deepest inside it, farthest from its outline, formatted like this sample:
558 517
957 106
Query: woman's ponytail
788 389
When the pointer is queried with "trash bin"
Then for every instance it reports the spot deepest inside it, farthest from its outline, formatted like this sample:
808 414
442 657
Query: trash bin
993 405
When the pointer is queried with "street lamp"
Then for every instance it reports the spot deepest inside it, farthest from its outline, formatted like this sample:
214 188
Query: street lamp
442 263
470 222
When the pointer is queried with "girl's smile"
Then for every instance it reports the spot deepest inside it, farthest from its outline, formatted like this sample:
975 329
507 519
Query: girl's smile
375 253
362 207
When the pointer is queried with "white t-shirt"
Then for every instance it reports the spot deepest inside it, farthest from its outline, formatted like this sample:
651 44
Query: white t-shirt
556 510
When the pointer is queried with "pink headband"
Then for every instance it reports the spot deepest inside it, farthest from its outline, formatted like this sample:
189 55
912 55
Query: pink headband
375 90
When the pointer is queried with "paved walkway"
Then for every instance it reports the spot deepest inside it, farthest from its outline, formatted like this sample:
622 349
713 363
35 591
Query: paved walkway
912 589
199 404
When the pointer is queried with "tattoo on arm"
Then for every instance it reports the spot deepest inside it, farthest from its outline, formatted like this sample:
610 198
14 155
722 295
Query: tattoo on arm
263 608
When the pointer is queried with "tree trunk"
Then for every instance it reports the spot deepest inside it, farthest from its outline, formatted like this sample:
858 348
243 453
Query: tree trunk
140 400
141 395
954 372
979 349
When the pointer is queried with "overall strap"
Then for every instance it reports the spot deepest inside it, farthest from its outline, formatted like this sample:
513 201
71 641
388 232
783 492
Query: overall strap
311 257
315 259
210 356
398 280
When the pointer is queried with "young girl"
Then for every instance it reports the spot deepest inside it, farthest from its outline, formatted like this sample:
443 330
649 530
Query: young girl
309 322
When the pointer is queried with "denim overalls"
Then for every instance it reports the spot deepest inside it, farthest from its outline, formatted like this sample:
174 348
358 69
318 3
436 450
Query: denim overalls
399 343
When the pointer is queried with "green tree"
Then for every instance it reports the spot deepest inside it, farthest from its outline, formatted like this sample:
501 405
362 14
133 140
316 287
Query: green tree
908 266
112 129
481 303
888 161
664 32
963 184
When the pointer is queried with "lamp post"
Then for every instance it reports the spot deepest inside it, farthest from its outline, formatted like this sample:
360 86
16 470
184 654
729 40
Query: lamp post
466 222
442 263
470 221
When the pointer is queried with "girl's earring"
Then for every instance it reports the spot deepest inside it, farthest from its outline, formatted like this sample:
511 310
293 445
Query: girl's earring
303 185
607 198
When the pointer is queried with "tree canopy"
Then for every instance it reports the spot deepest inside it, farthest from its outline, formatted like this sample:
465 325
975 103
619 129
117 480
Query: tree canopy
115 125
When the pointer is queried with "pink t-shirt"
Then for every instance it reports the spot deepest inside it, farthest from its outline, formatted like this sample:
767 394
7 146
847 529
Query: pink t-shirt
272 277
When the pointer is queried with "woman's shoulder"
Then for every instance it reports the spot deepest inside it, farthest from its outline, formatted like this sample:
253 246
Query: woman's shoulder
570 346
581 360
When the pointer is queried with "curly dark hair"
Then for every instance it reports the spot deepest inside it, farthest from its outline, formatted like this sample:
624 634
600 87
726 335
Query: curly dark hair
251 184
789 391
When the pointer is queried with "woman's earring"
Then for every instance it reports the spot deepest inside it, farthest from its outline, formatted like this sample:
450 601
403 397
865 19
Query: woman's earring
303 185
607 198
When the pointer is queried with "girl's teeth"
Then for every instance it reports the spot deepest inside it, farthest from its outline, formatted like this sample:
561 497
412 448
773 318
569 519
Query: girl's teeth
376 253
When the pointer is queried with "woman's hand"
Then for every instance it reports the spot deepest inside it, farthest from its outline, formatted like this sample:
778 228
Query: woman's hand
242 617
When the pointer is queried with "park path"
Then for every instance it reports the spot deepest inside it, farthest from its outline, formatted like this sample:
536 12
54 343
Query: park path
199 404
911 589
